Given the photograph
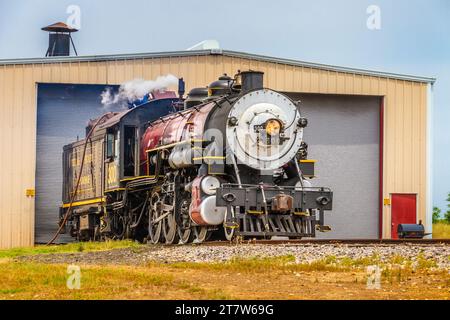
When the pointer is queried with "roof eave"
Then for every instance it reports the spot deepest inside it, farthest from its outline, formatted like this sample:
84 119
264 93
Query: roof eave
228 53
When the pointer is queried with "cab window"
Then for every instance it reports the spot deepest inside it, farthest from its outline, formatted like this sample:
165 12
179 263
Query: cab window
111 139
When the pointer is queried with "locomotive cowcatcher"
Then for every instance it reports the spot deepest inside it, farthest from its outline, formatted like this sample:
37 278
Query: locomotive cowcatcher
227 161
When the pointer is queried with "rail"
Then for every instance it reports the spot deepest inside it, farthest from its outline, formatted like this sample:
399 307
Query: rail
332 242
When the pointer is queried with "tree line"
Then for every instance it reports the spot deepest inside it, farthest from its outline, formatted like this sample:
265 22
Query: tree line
437 213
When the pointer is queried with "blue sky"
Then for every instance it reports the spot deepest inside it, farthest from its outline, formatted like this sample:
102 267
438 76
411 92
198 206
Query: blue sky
414 38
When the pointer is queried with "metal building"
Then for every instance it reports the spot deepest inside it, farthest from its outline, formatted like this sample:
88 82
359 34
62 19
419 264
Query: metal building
370 132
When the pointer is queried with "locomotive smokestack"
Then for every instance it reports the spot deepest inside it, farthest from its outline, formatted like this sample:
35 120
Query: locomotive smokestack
252 80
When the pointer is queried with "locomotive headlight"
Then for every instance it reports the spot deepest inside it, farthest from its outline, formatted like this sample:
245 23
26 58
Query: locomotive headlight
273 127
209 185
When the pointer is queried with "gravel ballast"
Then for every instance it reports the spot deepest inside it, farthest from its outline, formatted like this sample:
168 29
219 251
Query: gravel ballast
303 253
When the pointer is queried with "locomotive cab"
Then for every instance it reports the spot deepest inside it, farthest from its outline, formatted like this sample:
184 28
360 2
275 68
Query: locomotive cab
112 159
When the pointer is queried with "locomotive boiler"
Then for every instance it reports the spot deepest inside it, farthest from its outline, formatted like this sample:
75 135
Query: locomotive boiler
228 161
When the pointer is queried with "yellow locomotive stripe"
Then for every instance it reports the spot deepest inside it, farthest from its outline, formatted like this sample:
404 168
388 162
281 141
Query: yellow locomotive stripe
308 161
84 202
305 214
255 212
209 158
134 178
139 177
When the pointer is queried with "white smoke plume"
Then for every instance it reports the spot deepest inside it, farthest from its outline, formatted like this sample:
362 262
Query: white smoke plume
107 96
136 89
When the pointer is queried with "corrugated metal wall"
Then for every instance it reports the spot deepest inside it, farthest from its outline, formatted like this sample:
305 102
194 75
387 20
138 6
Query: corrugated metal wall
405 119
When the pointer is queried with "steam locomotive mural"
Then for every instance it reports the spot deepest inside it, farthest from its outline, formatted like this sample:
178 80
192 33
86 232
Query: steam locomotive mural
227 161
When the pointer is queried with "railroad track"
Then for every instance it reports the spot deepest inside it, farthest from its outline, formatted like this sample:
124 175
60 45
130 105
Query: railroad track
355 242
352 242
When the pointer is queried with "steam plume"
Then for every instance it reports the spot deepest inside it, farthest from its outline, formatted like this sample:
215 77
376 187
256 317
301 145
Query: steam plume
136 89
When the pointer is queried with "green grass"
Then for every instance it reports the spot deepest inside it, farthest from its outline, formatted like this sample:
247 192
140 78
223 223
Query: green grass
441 230
68 248
48 281
288 264
31 280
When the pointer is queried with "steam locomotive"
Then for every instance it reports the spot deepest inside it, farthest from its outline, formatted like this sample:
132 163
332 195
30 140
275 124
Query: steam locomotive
228 161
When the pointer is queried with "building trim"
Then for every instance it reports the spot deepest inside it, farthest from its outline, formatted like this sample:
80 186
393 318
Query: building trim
381 170
215 52
330 67
429 159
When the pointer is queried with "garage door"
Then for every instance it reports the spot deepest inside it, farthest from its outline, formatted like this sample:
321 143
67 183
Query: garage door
62 114
343 135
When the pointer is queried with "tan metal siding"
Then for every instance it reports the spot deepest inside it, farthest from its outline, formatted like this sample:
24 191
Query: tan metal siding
3 223
404 119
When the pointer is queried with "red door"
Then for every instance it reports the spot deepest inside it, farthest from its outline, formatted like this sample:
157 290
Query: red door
403 210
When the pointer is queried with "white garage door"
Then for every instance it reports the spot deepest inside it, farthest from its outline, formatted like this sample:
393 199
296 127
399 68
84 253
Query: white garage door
343 134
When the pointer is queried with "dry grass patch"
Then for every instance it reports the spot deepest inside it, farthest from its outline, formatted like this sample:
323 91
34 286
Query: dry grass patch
282 277
48 281
289 263
441 230
255 278
69 248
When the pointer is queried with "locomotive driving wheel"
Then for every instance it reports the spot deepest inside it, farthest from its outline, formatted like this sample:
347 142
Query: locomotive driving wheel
200 234
118 225
169 223
184 229
155 223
